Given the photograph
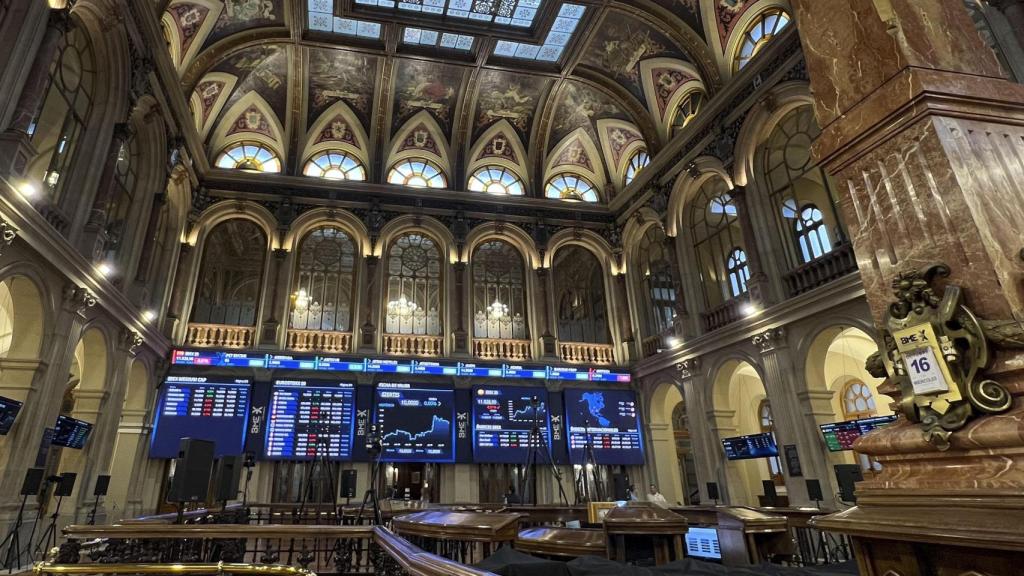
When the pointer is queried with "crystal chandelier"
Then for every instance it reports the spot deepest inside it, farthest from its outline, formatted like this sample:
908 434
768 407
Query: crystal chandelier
497 310
402 307
301 300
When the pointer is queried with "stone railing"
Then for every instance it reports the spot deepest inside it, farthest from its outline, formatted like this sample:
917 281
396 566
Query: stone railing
586 353
831 266
723 314
493 349
413 345
220 336
650 345
319 341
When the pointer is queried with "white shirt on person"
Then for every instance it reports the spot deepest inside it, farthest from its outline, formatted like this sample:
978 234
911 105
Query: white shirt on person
657 499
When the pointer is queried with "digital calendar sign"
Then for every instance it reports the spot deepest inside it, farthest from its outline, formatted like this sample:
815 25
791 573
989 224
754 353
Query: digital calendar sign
606 423
415 422
503 418
204 408
309 419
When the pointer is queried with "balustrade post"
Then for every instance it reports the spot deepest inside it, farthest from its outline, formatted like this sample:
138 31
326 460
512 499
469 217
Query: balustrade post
372 298
549 348
758 286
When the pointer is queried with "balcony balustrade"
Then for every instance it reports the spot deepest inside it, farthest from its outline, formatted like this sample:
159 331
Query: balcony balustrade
495 349
413 345
319 341
220 336
723 314
833 265
586 353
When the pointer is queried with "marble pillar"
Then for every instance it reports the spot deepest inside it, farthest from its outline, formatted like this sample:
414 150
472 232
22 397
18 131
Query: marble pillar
707 448
924 139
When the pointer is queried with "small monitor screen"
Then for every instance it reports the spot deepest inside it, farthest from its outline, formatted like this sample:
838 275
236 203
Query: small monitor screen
414 422
606 421
752 446
840 436
310 419
503 418
71 433
703 543
8 412
204 408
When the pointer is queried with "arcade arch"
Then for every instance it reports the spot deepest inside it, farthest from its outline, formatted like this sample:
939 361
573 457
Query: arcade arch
738 393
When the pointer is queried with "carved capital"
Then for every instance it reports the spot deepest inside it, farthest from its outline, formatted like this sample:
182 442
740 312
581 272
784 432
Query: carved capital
7 235
770 339
77 298
280 254
130 340
688 368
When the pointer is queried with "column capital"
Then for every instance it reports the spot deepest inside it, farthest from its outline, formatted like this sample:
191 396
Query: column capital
688 368
770 340
280 253
77 298
130 340
7 234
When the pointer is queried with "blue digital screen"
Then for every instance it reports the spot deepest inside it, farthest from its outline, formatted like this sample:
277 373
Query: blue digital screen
752 446
606 421
204 408
71 433
310 419
415 422
8 412
503 417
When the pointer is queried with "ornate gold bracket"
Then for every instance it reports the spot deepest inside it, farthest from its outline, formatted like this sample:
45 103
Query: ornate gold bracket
935 352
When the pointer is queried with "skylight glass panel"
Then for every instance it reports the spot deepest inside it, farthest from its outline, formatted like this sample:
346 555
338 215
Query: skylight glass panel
554 43
519 13
322 19
433 38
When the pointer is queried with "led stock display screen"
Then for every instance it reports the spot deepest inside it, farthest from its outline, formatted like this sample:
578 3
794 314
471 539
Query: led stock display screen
8 413
841 435
204 408
310 419
606 422
414 422
503 418
70 432
751 446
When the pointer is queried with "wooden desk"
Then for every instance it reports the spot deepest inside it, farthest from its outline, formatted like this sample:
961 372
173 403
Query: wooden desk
466 537
640 520
746 536
546 514
562 542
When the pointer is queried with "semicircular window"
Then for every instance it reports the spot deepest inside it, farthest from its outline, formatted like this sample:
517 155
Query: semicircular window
496 180
759 33
687 110
417 173
636 163
570 188
249 156
335 165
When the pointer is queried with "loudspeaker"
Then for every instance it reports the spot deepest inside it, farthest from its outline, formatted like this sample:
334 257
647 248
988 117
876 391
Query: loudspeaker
814 490
66 485
33 479
102 483
620 487
771 497
713 491
348 483
192 471
847 475
227 475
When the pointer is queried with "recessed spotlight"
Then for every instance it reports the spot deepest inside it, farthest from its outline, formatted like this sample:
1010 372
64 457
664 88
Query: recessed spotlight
28 189
748 309
105 269
148 315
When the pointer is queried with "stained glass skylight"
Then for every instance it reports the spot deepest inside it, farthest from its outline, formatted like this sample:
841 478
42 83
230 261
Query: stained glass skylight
554 43
434 38
322 18
519 13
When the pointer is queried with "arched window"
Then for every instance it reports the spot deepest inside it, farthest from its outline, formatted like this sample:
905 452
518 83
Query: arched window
764 27
767 422
579 296
414 270
499 292
571 188
736 266
231 275
806 214
250 156
687 110
6 319
656 270
122 196
714 223
858 402
65 111
325 274
496 180
638 161
417 173
335 165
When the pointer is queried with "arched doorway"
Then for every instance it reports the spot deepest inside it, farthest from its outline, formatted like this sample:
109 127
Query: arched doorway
127 478
669 476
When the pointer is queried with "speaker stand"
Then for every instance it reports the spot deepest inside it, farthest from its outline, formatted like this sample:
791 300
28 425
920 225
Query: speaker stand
13 540
49 538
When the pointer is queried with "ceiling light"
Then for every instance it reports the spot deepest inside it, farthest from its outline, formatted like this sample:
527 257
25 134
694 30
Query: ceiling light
149 315
28 189
105 269
748 309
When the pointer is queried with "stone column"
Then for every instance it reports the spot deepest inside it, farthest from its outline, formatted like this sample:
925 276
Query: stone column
758 286
94 236
277 275
792 426
626 333
127 468
460 339
707 449
546 314
371 296
15 144
180 287
146 257
923 137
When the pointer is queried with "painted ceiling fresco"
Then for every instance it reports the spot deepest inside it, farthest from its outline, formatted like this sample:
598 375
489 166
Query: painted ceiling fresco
424 85
261 69
511 97
581 106
686 10
341 75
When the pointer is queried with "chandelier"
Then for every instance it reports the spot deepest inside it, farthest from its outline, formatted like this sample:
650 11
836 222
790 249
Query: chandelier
301 300
402 307
497 311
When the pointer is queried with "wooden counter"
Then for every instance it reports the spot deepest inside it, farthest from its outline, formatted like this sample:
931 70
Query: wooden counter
562 542
489 527
664 528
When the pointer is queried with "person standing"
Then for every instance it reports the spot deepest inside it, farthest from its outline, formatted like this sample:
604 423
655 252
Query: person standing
655 497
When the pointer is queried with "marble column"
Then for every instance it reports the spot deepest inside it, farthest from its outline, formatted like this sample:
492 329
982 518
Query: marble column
707 449
758 285
371 296
460 338
1014 12
276 306
924 139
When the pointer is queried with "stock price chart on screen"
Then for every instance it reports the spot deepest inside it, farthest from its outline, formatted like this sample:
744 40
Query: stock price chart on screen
415 423
202 408
610 419
310 419
503 417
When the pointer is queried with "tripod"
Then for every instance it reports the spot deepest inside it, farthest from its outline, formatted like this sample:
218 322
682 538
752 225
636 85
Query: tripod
13 540
250 463
589 466
374 447
321 463
92 513
49 538
536 448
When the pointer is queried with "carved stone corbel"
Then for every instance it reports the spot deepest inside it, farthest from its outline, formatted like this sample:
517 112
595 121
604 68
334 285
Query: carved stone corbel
7 235
688 368
78 299
131 340
770 339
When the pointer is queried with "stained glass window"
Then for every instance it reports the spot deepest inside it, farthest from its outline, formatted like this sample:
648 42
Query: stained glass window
449 40
499 292
496 180
571 188
738 272
519 13
322 294
638 161
231 275
413 303
335 165
249 156
417 173
759 33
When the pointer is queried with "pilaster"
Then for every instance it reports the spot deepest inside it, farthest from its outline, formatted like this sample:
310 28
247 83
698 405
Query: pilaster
371 296
707 449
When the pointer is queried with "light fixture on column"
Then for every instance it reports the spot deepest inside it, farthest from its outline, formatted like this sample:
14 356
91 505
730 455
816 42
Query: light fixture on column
749 309
402 307
148 316
105 269
28 189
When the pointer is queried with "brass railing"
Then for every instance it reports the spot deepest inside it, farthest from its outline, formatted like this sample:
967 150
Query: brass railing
319 341
413 345
220 336
833 265
586 353
494 349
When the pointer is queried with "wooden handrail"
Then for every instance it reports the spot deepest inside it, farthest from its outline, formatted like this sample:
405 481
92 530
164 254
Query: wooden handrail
417 562
216 531
218 568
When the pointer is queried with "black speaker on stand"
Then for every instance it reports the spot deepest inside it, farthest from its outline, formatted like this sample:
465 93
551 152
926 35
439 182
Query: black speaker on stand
348 484
102 483
192 470
814 492
771 496
713 492
847 475
65 486
29 487
227 477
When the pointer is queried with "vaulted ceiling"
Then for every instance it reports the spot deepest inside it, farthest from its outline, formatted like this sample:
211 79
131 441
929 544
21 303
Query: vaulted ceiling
537 86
